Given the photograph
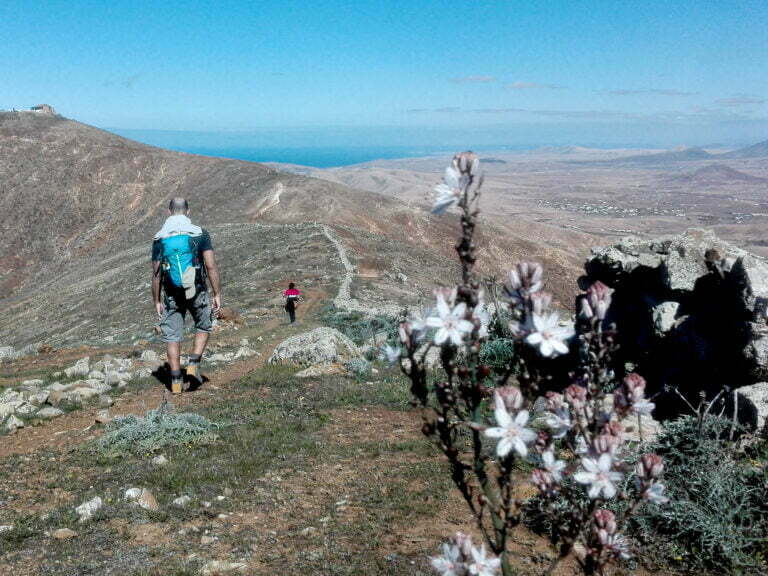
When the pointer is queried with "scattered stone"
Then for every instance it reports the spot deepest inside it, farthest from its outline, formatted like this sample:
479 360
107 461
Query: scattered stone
27 384
206 540
244 352
81 368
103 416
143 497
647 431
6 528
160 460
105 401
319 346
222 568
751 407
49 413
96 375
26 409
63 534
182 501
149 356
13 423
58 387
8 408
228 492
38 398
8 353
86 510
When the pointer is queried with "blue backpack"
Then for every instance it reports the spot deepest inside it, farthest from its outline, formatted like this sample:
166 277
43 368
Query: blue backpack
178 257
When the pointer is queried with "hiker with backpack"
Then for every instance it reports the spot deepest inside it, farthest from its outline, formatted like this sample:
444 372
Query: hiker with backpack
182 266
292 296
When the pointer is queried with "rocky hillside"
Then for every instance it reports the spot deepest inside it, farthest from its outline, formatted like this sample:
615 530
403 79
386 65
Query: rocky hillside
81 205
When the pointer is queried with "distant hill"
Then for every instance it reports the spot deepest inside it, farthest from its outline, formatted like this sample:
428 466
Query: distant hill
716 175
758 150
681 155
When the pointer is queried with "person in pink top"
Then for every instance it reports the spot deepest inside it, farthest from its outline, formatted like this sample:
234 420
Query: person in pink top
292 296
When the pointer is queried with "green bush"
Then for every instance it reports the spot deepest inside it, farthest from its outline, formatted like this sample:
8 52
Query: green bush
159 428
357 326
498 354
358 367
717 517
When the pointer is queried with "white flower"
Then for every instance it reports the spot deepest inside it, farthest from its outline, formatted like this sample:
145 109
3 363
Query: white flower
513 432
449 563
390 353
482 565
548 335
449 192
599 475
451 324
655 494
552 465
643 407
559 421
616 544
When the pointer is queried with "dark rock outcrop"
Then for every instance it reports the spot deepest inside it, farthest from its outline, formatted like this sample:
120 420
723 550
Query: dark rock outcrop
690 311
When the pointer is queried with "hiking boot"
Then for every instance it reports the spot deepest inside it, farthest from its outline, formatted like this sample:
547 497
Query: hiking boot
176 385
193 370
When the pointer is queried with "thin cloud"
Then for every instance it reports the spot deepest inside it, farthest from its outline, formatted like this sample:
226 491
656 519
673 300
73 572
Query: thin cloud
651 92
474 80
740 100
533 86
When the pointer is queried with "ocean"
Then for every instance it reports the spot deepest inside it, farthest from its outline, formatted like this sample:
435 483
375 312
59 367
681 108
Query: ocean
326 157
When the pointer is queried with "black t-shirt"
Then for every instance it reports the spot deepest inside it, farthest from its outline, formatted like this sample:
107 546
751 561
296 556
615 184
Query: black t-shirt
199 244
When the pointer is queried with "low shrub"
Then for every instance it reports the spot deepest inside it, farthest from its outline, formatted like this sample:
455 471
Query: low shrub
359 327
717 517
157 429
498 354
358 367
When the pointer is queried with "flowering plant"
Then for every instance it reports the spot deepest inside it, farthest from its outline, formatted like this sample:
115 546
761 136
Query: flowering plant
485 421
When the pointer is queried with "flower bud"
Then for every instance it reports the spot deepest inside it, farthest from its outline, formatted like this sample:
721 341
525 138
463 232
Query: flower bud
586 311
599 297
543 441
554 401
512 397
576 395
541 302
605 520
543 481
634 386
606 444
464 543
649 466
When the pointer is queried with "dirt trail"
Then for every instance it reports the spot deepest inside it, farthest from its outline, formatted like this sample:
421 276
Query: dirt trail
344 300
270 201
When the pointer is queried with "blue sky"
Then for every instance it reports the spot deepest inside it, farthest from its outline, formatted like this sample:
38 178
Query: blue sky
576 71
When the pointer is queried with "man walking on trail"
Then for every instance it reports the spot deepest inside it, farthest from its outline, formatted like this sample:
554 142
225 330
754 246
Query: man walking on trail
182 265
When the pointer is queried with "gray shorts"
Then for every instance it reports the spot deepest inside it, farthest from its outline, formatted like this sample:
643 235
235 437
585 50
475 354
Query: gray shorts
176 306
